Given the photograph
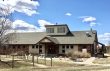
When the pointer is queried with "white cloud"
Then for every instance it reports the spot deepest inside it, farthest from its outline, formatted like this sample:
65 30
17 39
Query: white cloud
89 19
92 24
68 14
22 26
24 6
105 38
42 24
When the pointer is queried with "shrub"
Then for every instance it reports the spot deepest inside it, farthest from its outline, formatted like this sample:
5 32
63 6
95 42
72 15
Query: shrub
77 54
69 53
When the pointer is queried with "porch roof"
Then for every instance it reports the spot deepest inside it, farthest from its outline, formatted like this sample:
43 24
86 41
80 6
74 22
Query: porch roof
51 39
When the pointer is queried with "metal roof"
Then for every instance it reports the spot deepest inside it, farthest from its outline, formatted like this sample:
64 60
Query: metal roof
77 37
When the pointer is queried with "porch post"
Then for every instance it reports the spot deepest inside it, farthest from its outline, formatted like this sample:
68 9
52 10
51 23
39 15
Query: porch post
45 53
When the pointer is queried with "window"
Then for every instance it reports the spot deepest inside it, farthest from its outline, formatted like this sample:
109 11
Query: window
71 46
61 29
63 47
63 51
33 46
13 47
36 46
50 30
18 46
40 46
40 51
24 46
67 46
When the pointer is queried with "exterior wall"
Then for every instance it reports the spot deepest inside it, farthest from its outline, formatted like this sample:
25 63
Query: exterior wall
30 49
60 49
33 50
89 47
14 49
43 49
36 50
75 47
67 48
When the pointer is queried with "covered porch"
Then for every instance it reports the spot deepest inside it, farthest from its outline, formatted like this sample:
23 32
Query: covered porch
51 46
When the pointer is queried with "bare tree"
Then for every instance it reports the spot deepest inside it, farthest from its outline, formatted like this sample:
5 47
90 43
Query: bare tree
5 26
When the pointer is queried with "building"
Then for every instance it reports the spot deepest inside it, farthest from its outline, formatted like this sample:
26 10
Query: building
57 40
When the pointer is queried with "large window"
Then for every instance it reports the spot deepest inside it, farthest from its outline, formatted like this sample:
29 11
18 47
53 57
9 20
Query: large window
50 30
61 29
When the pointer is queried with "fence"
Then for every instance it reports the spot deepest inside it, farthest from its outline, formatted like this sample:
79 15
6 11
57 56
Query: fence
50 63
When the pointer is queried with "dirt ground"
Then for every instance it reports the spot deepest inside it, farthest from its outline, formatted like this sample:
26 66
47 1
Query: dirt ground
61 64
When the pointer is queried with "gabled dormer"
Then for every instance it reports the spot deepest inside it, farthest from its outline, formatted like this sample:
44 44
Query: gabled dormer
57 29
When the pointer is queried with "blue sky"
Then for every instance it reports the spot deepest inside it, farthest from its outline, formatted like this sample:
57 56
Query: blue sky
77 14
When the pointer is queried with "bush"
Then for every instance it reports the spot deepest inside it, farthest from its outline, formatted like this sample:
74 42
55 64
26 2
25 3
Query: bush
77 54
69 53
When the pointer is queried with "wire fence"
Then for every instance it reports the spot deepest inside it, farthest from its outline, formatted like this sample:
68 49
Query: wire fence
34 62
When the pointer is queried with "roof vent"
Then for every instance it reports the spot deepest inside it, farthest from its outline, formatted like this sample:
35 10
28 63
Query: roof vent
88 34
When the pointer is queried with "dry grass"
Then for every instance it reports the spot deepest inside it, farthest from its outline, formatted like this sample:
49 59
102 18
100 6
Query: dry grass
55 63
56 66
85 68
102 60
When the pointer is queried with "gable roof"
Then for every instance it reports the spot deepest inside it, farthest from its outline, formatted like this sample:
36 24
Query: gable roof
77 37
51 39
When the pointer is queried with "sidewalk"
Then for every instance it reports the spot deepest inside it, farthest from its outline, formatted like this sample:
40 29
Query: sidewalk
89 61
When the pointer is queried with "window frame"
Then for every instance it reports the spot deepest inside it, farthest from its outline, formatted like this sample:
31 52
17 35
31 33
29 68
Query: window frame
61 30
50 30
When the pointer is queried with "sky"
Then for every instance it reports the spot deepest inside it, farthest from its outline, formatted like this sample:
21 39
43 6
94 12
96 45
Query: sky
79 15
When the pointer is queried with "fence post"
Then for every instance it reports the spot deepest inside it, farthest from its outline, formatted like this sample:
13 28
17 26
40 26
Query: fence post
12 61
51 61
37 58
45 59
33 59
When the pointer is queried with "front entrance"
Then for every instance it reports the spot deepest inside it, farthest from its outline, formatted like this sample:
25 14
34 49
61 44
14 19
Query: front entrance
50 45
52 49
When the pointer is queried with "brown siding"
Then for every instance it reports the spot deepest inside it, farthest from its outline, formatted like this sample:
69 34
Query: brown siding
14 48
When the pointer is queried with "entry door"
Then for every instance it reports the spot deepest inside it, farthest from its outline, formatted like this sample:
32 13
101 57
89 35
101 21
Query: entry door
52 49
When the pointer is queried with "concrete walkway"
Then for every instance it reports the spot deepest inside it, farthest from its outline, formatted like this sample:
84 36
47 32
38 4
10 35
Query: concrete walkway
89 61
